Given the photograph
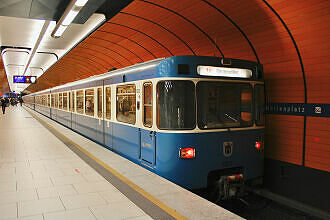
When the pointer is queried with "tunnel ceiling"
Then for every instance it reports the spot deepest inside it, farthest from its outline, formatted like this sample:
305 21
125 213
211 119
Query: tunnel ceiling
282 35
290 38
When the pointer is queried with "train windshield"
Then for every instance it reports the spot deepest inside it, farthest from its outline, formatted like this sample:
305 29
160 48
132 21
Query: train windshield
176 104
224 105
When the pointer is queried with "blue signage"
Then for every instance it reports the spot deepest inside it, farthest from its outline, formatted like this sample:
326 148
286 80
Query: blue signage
299 109
25 79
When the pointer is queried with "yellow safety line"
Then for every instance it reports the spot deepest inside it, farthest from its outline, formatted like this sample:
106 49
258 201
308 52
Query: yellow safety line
147 195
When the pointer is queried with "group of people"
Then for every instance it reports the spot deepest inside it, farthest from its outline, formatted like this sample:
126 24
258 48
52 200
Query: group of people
5 102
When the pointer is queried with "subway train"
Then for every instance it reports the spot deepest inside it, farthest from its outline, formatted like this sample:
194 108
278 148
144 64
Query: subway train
197 121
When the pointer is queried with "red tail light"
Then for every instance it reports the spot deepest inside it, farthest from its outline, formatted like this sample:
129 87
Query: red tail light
187 153
259 145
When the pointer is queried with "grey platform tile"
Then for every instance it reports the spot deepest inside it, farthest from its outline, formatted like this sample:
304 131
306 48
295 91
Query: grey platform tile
77 214
35 183
8 186
92 177
56 191
39 207
65 180
35 217
82 200
8 211
122 210
12 197
98 186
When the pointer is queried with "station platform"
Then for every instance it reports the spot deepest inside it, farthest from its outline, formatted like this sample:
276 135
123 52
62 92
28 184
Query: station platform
49 172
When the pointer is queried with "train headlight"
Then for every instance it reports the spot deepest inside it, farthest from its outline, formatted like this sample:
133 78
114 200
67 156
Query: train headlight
187 153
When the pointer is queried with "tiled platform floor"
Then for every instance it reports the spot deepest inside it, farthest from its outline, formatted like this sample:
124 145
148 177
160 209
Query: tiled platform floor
41 178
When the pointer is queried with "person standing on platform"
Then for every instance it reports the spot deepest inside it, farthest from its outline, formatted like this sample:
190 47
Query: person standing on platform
20 101
3 105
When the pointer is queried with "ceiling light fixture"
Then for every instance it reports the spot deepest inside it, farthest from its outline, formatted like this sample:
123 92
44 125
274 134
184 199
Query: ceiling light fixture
68 16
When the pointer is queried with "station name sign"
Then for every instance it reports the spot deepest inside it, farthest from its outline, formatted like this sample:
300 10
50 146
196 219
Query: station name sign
224 71
25 79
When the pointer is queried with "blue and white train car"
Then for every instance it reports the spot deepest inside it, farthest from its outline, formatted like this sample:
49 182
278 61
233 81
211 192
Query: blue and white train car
197 121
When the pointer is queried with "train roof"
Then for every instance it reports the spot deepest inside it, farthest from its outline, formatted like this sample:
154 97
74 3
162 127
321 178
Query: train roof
165 63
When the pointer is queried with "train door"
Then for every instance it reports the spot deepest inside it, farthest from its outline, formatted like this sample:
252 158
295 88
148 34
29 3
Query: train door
108 137
148 137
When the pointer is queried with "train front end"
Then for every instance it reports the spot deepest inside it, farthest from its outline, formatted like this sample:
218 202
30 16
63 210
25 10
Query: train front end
211 127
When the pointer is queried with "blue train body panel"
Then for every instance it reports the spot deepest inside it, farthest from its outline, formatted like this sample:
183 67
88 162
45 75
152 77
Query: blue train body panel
193 173
126 141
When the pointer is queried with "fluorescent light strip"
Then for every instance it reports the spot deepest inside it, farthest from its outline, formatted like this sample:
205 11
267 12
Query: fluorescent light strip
69 17
81 3
60 30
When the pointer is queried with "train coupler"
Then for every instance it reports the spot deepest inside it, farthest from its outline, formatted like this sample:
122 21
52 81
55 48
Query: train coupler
231 186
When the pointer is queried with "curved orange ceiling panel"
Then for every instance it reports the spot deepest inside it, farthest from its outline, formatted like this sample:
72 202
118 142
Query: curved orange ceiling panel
290 38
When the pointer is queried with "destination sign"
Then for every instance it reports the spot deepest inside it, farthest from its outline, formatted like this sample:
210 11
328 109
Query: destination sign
25 79
224 71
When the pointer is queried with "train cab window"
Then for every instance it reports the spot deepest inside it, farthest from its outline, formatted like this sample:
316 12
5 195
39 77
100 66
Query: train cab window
224 105
108 102
89 102
259 96
176 105
126 109
99 103
60 100
65 101
147 104
80 102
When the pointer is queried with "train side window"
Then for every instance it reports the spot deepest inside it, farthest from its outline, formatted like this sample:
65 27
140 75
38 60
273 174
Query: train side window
48 100
147 104
126 109
56 100
73 101
99 103
259 104
69 101
108 102
80 102
53 100
65 101
60 102
89 102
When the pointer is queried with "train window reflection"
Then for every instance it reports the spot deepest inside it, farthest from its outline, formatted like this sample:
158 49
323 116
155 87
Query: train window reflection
126 109
260 104
56 100
108 102
73 101
89 102
80 102
147 104
60 102
223 105
176 104
99 103
53 100
65 101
